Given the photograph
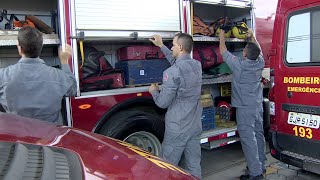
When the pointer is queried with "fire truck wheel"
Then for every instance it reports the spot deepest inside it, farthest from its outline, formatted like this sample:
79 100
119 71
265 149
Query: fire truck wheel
141 129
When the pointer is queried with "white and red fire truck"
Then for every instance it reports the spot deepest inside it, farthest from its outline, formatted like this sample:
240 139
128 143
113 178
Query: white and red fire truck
129 113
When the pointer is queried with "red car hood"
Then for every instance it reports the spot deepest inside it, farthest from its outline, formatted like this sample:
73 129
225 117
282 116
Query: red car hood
102 157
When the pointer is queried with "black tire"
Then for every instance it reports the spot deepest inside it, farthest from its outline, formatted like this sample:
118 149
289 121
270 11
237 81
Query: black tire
125 123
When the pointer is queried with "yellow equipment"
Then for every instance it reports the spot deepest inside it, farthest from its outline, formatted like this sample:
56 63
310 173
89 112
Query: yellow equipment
240 30
227 34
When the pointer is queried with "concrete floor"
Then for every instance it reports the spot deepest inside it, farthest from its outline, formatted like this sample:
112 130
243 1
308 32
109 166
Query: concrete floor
228 163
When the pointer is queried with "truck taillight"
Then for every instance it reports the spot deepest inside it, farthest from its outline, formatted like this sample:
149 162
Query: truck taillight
272 77
272 98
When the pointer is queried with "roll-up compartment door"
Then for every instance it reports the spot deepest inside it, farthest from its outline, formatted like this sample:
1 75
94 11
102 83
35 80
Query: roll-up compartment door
120 17
232 3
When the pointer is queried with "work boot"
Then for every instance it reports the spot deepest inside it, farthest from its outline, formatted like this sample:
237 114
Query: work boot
248 177
246 172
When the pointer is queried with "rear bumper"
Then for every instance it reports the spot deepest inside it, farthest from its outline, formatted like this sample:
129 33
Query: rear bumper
296 151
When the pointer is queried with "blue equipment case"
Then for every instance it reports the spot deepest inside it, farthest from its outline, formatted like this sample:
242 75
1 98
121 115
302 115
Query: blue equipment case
139 72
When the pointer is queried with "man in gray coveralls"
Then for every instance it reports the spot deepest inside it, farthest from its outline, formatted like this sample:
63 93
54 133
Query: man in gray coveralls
180 94
247 97
32 89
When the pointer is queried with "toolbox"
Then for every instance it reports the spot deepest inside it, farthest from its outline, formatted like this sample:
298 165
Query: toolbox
139 53
141 72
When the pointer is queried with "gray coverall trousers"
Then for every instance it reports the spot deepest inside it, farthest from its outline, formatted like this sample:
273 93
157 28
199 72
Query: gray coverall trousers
250 128
247 97
175 144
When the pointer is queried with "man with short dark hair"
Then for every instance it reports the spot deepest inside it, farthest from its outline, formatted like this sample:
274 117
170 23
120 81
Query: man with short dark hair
247 97
30 88
252 51
180 94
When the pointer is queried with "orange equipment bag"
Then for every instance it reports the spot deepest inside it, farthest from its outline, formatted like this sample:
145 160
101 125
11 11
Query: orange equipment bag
40 25
19 24
199 27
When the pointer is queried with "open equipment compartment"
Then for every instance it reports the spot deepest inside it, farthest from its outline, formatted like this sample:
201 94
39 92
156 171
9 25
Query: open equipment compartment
46 11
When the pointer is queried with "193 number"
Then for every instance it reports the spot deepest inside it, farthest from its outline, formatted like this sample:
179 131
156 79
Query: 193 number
303 132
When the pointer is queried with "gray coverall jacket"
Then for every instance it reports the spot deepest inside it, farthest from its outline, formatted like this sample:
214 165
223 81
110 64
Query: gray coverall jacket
246 80
247 97
32 89
180 94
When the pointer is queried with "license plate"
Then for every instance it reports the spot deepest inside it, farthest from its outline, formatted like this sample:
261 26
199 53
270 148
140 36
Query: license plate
306 120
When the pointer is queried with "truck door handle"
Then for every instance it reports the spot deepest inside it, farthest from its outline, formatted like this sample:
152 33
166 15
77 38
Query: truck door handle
289 94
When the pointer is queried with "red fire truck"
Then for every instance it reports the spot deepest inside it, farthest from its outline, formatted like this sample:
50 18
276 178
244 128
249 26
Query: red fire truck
129 113
294 105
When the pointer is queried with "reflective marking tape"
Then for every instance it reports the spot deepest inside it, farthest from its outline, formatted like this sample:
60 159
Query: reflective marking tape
205 140
85 106
231 134
230 142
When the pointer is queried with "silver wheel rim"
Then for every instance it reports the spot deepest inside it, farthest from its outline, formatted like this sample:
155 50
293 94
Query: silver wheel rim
145 141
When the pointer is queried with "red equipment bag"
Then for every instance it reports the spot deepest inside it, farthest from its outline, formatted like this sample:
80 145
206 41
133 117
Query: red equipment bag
139 53
109 80
209 56
96 73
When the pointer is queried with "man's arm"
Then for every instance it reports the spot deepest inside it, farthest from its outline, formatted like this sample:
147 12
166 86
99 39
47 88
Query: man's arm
69 80
168 53
157 41
168 90
222 44
230 59
252 38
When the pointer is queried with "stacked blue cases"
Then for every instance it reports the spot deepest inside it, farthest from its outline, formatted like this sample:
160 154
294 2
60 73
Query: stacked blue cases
208 118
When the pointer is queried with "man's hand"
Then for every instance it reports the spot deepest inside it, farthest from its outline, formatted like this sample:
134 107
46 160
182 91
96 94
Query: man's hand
250 34
65 54
157 40
153 87
252 38
222 35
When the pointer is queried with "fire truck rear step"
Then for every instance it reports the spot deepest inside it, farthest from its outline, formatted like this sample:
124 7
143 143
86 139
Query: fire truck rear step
220 143
304 162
